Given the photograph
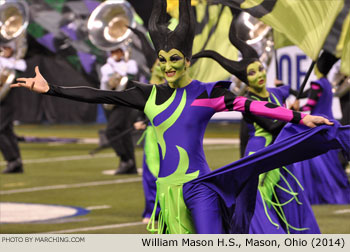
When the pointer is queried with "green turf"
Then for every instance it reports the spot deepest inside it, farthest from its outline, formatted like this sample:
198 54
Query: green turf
65 130
125 201
230 130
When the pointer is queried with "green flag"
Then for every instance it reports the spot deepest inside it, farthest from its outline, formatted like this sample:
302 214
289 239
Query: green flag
345 50
280 40
305 23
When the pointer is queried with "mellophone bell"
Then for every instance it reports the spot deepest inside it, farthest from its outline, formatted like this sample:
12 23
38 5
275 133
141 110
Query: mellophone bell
108 30
14 18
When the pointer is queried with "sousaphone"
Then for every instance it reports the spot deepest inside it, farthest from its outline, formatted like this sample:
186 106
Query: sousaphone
108 24
14 19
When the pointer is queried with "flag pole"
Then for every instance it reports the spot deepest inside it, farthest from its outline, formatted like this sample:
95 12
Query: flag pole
276 64
302 87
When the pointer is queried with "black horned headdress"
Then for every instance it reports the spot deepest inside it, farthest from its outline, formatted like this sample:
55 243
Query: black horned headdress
165 39
237 68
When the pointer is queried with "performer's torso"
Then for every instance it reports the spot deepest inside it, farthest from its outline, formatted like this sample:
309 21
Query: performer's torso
258 136
180 117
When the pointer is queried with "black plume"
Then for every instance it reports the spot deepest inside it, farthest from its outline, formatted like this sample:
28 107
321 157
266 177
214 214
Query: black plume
165 39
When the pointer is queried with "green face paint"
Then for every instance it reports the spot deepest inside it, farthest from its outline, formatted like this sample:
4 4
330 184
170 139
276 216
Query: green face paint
256 75
174 66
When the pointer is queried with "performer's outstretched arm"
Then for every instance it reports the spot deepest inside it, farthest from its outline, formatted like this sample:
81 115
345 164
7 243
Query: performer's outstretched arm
270 125
314 95
263 108
135 96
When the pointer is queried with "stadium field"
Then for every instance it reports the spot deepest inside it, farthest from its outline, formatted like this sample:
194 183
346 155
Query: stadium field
65 190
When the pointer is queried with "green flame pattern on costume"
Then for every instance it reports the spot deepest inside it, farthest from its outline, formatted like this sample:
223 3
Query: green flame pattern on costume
157 109
174 211
269 180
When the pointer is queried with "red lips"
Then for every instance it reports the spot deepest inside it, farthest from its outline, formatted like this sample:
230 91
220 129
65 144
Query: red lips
170 74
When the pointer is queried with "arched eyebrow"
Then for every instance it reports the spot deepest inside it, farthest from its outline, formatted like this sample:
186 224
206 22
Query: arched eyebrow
175 57
251 71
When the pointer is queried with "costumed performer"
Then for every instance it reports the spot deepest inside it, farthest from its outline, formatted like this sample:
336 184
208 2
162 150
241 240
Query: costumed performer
323 177
269 216
179 111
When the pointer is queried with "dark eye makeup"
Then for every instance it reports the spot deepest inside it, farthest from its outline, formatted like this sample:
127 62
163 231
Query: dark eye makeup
161 59
175 58
251 72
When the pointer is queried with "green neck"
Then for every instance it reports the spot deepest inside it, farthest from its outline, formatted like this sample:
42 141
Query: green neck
181 82
262 93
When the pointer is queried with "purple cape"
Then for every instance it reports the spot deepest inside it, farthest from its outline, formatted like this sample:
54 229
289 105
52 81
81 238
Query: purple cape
236 183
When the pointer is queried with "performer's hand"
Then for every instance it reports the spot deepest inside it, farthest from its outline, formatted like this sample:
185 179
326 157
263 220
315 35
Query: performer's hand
312 121
295 106
6 51
278 83
37 84
140 125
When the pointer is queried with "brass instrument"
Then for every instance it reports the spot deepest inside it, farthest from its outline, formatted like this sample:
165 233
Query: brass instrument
14 19
341 85
108 24
256 34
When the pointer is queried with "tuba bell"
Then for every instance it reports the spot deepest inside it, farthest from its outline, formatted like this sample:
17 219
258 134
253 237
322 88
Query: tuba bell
14 19
108 24
256 34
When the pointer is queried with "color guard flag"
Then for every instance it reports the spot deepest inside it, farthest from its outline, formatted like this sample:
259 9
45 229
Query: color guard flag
305 23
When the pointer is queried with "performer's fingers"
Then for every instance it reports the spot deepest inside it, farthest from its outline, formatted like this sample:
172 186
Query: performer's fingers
15 85
22 79
19 84
326 121
321 120
32 85
37 72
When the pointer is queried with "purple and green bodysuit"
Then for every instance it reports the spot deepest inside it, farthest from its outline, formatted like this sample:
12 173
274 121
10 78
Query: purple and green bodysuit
281 206
150 170
179 117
